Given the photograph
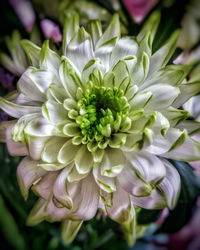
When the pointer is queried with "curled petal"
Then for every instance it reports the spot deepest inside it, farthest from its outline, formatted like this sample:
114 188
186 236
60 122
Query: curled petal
44 187
171 184
27 173
60 188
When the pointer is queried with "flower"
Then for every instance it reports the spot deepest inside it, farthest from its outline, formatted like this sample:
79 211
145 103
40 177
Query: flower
51 30
25 12
139 9
17 62
96 125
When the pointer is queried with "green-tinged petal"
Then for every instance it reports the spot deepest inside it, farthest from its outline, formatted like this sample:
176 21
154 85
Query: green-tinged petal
32 52
117 140
154 201
89 68
175 116
125 47
171 74
186 150
80 46
98 155
161 57
67 153
16 110
69 77
54 112
150 25
192 127
56 93
52 148
163 96
49 59
38 213
43 78
95 30
83 160
74 176
112 31
140 100
121 72
51 166
105 183
113 163
70 229
72 129
187 90
27 86
71 26
141 70
40 127
107 198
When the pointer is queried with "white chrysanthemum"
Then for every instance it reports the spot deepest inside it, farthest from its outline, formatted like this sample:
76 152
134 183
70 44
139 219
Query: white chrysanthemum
97 123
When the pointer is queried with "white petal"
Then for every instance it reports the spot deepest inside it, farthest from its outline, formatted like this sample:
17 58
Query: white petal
71 26
90 199
27 173
83 160
14 148
105 183
54 112
44 187
52 148
189 150
171 184
68 152
113 163
80 46
16 110
60 189
162 56
163 96
49 60
126 46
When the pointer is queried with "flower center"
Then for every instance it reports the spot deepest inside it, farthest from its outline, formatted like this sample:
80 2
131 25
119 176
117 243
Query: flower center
101 111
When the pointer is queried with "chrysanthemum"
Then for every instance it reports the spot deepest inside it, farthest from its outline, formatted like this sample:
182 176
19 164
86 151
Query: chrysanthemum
97 123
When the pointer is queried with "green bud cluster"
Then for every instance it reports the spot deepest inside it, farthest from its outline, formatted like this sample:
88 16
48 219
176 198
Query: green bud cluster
101 112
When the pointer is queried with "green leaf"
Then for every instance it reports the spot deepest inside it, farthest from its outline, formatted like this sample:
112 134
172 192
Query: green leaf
9 227
147 216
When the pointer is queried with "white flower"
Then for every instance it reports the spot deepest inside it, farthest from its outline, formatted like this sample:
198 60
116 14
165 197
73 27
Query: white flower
97 123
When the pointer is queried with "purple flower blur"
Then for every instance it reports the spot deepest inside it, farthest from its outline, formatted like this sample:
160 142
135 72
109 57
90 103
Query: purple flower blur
25 12
139 8
51 30
6 80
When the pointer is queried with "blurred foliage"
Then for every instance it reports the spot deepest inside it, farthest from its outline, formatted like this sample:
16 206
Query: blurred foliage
99 233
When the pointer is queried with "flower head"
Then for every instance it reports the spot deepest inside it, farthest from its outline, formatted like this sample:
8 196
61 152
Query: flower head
97 123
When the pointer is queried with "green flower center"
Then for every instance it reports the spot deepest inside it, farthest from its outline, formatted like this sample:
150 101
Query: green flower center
101 111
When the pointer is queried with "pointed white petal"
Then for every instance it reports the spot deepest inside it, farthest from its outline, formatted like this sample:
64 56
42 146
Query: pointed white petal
80 46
